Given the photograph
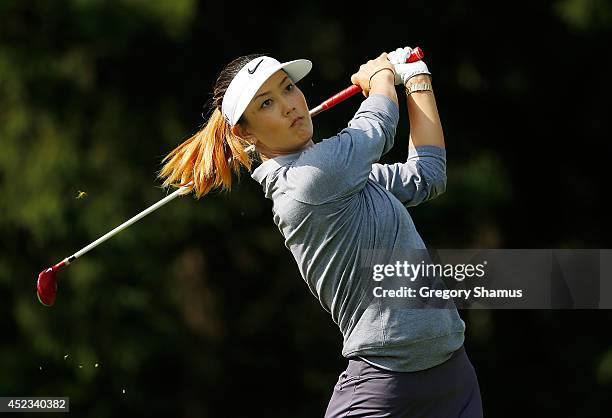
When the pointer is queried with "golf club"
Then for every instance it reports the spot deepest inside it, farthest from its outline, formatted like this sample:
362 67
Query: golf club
46 285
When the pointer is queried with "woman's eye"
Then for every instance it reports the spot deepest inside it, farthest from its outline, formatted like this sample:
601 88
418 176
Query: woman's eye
266 103
290 87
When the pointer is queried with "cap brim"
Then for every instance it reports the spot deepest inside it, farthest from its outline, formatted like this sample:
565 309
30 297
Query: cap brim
297 69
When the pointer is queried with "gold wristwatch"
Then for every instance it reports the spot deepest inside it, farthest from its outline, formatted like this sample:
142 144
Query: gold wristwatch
418 87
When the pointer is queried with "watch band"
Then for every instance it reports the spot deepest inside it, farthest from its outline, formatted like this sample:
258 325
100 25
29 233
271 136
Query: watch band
418 87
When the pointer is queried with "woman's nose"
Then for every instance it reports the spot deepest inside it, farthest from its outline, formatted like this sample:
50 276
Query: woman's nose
288 107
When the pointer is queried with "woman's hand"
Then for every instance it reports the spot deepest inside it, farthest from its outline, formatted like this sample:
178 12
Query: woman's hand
405 71
375 75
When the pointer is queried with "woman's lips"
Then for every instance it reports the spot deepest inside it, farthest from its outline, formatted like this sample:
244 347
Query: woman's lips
297 120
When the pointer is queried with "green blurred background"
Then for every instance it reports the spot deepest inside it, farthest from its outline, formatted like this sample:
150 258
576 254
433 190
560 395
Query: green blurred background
199 310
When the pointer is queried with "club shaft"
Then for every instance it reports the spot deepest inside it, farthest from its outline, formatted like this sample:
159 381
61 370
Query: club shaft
127 223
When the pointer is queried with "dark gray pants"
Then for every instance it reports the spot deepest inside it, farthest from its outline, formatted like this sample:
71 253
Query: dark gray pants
448 390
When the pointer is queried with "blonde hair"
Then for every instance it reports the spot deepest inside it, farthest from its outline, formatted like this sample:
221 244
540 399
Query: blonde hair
208 158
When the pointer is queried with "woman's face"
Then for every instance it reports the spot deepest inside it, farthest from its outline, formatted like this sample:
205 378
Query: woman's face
277 118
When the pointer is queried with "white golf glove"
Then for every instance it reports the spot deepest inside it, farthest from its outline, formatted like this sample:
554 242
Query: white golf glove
403 70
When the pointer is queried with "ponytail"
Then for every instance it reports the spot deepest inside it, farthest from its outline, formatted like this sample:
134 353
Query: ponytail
207 159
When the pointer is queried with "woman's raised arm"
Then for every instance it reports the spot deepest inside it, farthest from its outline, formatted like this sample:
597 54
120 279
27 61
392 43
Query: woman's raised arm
425 125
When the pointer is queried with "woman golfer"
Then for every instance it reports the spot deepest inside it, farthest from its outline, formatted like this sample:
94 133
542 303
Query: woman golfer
339 210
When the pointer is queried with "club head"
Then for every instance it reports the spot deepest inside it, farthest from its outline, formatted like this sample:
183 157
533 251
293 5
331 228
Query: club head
46 287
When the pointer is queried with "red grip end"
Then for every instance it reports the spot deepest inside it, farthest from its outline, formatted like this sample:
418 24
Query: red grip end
416 54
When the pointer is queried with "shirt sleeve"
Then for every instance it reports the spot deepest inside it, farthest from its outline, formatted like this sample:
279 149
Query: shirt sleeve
340 166
422 177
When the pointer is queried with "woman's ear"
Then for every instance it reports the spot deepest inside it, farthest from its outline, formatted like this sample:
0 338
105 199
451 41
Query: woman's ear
241 132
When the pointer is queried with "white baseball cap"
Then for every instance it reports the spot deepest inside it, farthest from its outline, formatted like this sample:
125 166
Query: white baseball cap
250 78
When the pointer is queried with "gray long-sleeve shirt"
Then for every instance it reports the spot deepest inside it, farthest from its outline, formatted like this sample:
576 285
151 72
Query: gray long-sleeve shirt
336 206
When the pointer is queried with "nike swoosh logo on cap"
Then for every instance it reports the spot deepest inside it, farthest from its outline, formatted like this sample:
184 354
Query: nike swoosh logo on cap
255 69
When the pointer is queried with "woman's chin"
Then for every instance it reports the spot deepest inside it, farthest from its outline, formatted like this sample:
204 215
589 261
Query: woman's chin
306 143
